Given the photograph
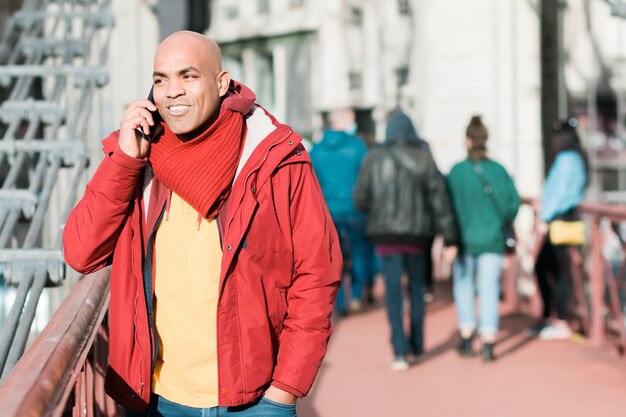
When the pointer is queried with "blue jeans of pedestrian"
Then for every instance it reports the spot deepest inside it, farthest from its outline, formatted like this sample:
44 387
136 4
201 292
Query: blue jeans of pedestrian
359 257
486 269
392 267
160 407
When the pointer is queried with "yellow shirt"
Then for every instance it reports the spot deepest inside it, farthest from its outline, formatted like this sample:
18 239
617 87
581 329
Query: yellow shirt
186 286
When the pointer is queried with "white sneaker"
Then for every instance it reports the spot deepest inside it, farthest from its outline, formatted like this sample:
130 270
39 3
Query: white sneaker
355 307
555 331
399 365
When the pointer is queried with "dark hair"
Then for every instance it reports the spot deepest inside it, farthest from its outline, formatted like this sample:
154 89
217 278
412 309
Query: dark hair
565 138
478 134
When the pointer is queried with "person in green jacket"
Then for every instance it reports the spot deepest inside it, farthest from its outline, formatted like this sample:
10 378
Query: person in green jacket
484 200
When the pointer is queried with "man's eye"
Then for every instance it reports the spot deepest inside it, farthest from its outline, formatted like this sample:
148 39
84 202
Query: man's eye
189 76
157 81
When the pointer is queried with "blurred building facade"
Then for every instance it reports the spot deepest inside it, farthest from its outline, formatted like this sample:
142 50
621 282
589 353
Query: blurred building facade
440 61
593 53
520 64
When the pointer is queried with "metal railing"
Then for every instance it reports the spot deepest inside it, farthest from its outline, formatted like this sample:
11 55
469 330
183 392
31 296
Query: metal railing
606 276
52 61
599 293
63 370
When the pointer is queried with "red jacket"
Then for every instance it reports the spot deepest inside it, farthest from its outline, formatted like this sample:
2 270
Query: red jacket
281 267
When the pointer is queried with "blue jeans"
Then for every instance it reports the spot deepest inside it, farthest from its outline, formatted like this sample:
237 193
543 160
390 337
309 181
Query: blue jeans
486 268
359 257
160 407
392 268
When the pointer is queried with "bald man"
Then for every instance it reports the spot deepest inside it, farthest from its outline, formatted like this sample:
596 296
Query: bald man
224 260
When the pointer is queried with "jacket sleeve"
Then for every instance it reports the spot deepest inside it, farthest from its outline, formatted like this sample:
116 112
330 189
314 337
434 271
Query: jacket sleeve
361 193
512 202
93 226
439 204
317 272
564 187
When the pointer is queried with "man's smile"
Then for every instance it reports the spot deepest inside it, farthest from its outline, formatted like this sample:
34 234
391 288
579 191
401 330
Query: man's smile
178 109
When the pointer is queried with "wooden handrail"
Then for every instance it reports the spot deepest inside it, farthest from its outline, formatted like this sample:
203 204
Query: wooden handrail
43 379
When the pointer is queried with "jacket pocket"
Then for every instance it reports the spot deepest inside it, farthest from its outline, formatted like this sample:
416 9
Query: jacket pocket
118 389
282 308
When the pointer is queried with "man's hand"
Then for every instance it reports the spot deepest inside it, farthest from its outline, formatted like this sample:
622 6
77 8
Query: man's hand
280 396
137 119
449 254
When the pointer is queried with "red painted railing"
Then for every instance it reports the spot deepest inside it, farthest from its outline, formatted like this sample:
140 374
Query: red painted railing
62 372
602 279
598 310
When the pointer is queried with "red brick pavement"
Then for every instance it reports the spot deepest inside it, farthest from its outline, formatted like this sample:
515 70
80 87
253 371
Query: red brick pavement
530 378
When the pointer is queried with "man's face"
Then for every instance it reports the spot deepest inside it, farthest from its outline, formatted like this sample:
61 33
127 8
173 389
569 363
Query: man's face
188 87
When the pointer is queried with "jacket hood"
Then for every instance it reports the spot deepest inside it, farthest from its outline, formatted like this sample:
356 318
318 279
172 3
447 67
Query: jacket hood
401 129
238 98
334 138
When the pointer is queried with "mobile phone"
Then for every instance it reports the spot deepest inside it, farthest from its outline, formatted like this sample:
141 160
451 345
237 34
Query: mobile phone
156 129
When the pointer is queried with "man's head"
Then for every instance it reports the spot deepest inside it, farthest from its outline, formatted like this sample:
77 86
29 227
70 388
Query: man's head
189 83
400 129
343 120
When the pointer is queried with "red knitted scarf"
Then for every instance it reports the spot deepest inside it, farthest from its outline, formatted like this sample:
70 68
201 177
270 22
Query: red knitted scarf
201 170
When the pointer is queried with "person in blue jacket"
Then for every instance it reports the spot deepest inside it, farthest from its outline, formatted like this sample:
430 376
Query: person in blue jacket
336 160
563 191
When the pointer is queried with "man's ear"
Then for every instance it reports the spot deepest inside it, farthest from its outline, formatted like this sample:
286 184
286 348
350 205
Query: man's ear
223 81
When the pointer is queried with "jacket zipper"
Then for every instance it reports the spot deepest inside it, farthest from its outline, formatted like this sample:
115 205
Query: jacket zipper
245 185
258 167
148 291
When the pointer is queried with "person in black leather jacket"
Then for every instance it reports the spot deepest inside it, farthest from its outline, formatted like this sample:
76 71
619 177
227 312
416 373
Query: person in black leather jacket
406 202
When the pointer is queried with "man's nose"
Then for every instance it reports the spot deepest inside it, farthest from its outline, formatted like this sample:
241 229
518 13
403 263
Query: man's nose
175 89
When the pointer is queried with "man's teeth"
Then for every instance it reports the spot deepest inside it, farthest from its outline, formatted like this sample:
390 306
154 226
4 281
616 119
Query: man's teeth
179 108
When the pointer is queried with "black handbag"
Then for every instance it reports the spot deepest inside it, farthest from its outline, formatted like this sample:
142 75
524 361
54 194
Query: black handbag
510 238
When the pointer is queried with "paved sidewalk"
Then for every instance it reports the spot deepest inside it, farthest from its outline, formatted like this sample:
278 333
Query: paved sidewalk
530 378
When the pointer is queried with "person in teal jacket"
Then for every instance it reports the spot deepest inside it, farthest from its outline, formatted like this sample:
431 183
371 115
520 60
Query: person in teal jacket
336 160
484 200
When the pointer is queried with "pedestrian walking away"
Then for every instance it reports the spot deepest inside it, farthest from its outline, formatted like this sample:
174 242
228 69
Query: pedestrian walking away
485 201
404 197
337 160
224 261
